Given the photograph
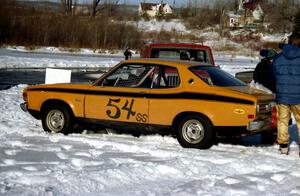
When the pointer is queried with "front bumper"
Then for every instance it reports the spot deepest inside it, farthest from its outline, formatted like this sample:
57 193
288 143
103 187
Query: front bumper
23 106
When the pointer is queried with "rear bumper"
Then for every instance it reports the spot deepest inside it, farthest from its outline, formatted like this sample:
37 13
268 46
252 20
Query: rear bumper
254 127
259 125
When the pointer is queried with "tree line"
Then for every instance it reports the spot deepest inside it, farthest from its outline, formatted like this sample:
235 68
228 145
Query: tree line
30 27
104 27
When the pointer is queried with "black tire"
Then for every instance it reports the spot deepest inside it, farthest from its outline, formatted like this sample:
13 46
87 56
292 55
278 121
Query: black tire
57 119
195 131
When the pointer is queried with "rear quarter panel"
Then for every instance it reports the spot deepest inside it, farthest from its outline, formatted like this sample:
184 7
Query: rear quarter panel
220 114
222 110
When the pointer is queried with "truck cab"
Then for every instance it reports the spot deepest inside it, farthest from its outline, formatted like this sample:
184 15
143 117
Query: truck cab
178 51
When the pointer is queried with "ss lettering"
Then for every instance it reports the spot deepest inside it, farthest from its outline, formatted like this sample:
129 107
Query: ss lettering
141 117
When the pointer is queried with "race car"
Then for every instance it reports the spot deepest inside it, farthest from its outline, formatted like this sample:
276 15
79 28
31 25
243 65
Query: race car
195 101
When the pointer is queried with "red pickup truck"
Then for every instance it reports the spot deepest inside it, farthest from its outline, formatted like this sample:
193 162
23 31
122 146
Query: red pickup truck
178 51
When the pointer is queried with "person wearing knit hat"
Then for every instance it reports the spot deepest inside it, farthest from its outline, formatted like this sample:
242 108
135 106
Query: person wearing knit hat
263 71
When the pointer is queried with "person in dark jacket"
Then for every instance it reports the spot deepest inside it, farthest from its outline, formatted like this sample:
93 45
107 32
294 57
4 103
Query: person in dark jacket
263 73
286 68
127 53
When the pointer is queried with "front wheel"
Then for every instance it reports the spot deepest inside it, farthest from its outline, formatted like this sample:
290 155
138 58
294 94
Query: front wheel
195 131
57 119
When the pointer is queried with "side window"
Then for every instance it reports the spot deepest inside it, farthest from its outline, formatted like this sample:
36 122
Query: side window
201 56
130 76
203 75
165 77
208 57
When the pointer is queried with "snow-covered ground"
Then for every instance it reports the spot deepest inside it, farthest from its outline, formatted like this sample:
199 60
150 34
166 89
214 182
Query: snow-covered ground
19 57
156 25
33 162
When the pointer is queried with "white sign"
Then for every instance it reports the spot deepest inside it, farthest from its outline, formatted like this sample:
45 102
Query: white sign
54 76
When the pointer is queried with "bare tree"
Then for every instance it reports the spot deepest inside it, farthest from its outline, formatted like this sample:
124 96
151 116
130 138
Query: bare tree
107 5
68 6
95 4
281 16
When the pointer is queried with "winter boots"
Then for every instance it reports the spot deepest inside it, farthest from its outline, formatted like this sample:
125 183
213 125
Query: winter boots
284 149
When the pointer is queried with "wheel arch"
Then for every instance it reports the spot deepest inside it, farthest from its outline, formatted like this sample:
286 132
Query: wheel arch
181 115
55 102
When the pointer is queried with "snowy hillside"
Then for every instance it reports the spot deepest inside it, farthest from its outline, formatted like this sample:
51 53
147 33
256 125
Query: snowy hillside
33 162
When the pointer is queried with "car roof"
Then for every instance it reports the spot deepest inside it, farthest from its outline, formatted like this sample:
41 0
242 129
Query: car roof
176 63
177 45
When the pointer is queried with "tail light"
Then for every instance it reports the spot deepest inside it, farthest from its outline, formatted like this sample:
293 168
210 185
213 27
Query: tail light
251 116
274 117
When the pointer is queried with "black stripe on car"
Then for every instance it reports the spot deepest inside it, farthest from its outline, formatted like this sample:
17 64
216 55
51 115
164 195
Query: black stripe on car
182 95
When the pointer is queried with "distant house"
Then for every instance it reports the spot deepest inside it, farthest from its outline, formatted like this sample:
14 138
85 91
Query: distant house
232 20
249 14
153 9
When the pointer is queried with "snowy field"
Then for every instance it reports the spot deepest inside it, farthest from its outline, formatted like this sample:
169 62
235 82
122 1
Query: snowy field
19 57
33 162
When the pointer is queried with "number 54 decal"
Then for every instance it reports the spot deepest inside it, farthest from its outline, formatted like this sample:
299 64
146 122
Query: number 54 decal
115 112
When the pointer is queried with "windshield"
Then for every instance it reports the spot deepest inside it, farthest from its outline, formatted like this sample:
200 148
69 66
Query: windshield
215 76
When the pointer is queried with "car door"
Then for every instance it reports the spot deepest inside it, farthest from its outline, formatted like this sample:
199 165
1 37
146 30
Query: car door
121 96
164 96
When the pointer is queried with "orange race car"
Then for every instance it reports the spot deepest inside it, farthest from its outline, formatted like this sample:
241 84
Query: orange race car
195 101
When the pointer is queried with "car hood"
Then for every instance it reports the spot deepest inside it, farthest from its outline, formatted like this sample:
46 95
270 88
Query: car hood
259 94
58 86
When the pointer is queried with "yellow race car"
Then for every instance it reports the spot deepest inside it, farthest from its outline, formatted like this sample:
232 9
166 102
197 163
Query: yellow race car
194 101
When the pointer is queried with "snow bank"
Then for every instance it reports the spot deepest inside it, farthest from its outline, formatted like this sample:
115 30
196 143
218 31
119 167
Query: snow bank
82 51
274 37
156 25
27 59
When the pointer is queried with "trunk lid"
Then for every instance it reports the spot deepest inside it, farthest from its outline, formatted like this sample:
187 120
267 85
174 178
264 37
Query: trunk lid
261 95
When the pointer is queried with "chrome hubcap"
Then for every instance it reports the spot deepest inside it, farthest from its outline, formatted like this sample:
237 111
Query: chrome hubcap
193 131
55 120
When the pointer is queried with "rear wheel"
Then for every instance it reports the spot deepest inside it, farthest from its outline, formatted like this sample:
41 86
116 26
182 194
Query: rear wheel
57 119
195 131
